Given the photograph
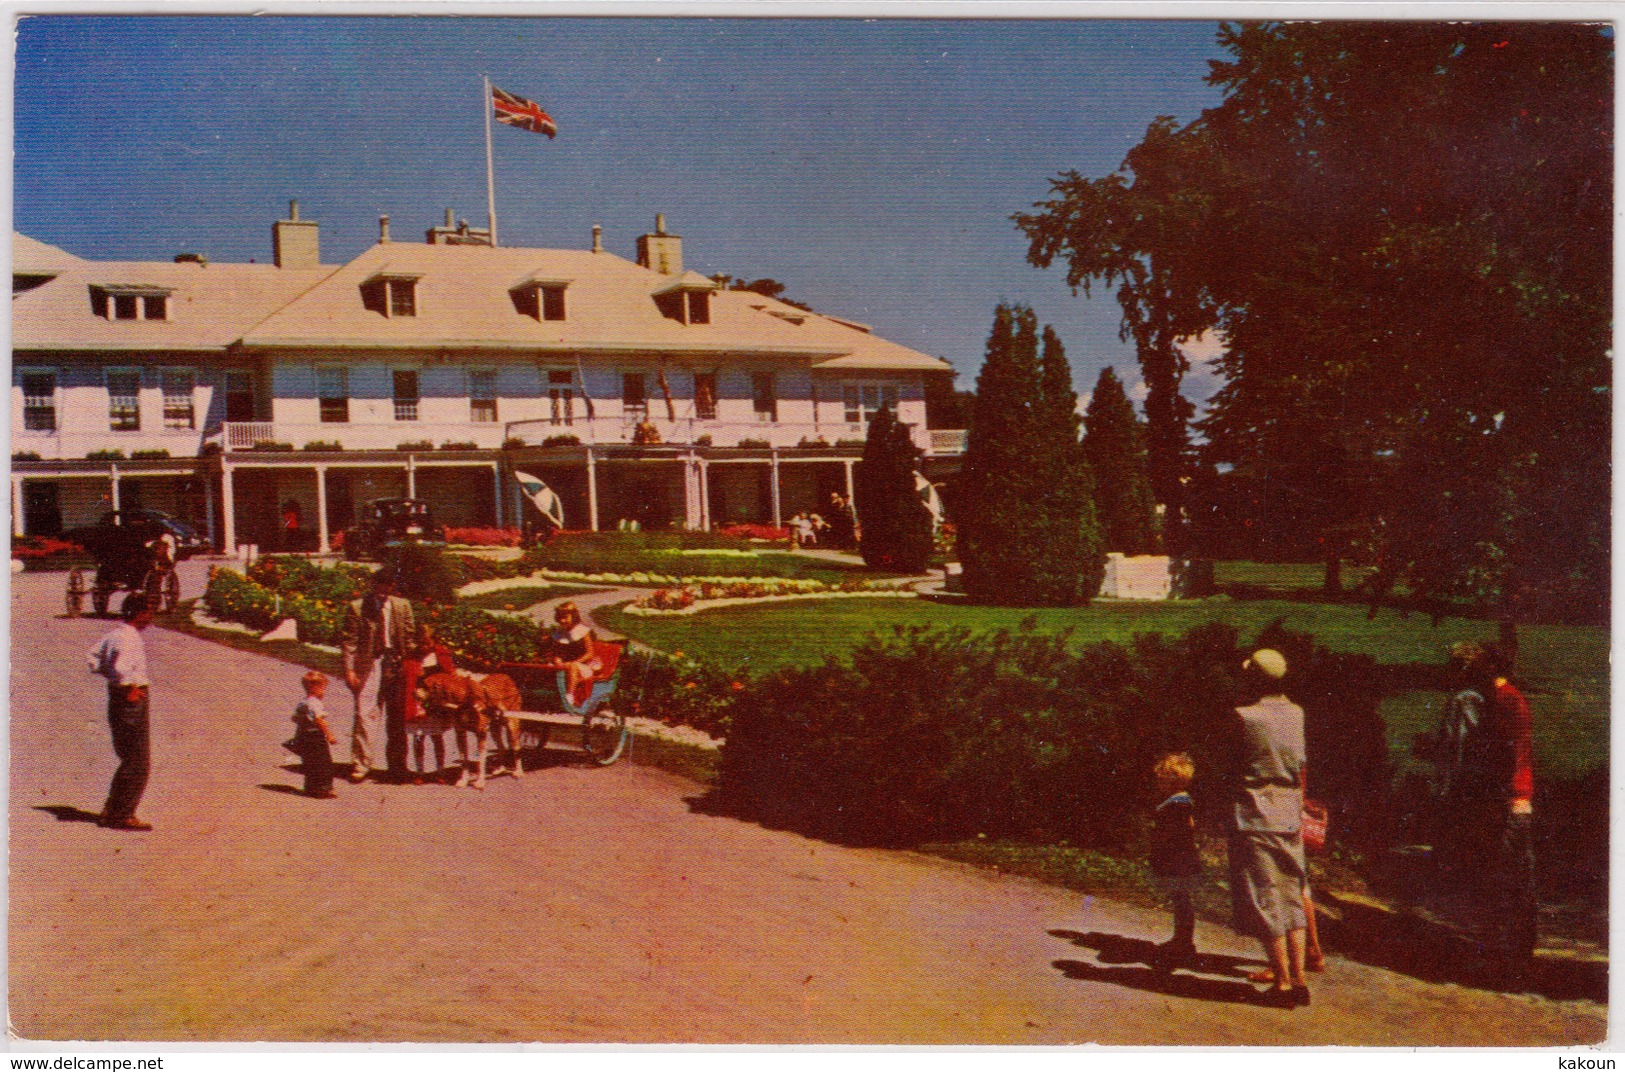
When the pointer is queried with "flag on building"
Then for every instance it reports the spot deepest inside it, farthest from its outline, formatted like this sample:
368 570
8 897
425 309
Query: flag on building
519 112
928 495
545 498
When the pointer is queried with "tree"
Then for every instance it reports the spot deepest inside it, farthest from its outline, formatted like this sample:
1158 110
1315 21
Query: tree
1401 232
1114 443
1025 516
896 525
768 288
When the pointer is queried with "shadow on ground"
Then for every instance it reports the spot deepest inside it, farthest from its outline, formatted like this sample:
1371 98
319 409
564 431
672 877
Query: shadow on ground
67 813
1134 963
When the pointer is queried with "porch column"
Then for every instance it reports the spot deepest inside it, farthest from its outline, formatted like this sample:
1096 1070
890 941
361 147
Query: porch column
692 518
321 510
592 491
16 506
496 489
208 506
112 470
705 495
849 482
228 510
775 483
411 476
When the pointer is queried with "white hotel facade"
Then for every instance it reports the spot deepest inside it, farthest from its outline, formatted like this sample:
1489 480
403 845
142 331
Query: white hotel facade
638 390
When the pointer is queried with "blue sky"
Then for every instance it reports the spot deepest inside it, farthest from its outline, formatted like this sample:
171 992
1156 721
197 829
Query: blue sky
869 165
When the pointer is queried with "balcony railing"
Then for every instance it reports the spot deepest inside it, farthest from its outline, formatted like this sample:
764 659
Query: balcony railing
590 431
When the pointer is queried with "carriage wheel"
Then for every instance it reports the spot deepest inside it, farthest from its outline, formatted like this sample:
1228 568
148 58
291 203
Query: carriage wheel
77 590
604 736
100 597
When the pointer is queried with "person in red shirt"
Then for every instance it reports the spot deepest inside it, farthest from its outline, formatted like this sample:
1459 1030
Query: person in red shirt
1511 752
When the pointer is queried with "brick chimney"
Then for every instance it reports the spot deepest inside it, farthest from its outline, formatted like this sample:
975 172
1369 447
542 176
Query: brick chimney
661 251
294 241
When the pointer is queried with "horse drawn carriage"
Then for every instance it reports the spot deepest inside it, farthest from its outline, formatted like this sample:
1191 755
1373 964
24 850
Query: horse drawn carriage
135 551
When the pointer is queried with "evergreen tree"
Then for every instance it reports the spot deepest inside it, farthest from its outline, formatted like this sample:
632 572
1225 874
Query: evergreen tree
1114 442
1026 521
896 525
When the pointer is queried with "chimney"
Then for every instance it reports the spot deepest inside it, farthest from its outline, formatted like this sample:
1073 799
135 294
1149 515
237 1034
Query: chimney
660 251
597 238
383 229
294 241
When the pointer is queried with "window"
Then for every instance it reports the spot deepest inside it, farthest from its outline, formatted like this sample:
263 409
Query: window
406 394
561 396
863 401
705 396
240 396
482 396
552 303
699 307
124 400
766 402
178 383
634 394
39 401
539 301
333 394
127 302
390 296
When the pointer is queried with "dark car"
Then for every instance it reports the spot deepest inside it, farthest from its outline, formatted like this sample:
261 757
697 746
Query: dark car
122 532
390 523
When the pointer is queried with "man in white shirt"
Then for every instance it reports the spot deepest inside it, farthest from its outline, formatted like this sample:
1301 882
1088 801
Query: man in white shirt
121 657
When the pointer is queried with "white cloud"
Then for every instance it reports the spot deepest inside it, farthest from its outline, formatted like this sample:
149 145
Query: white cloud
1138 391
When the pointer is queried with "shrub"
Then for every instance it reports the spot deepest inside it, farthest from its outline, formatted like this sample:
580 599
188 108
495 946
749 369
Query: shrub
415 444
425 574
679 691
754 444
481 640
897 526
747 530
208 450
273 447
25 456
153 455
850 442
460 446
561 441
105 456
323 444
702 441
809 443
940 735
513 443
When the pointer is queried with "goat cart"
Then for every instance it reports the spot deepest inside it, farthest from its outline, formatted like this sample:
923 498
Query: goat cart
604 733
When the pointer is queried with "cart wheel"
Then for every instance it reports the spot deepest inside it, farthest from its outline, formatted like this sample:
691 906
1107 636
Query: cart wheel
604 736
77 590
100 597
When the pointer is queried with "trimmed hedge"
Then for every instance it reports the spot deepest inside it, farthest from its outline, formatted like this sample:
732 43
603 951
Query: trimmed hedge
939 735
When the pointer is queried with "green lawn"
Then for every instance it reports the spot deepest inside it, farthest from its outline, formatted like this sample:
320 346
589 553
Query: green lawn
522 596
1565 667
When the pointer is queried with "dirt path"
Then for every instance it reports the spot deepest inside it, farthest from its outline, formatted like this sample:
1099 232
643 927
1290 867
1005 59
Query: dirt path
576 905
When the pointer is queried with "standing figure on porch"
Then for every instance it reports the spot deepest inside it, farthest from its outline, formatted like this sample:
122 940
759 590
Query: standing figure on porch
378 633
292 521
842 524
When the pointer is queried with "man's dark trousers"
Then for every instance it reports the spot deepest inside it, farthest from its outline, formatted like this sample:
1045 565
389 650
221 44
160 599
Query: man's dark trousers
127 719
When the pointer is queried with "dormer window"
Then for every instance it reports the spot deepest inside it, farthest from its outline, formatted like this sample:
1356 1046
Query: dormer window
539 299
688 300
390 295
119 301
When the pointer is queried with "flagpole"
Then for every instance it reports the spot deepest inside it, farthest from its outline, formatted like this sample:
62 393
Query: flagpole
490 174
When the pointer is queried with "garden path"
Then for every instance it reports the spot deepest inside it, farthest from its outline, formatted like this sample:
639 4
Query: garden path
578 904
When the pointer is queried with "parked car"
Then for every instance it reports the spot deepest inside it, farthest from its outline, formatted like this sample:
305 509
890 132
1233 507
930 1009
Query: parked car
120 531
390 523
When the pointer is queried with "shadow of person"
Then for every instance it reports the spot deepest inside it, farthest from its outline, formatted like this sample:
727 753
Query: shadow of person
1172 984
1117 949
273 787
67 813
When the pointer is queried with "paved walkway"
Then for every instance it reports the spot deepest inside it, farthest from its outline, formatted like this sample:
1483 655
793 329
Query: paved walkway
579 904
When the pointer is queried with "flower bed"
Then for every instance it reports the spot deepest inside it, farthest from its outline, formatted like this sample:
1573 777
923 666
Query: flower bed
483 537
686 601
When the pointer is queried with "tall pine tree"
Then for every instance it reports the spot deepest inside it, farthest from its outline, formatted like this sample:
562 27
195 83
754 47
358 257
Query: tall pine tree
896 525
1026 521
1114 441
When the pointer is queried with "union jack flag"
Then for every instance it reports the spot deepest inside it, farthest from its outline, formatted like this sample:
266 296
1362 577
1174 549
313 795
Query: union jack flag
519 112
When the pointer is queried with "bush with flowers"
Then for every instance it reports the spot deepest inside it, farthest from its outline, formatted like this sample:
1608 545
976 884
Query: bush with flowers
45 552
745 530
483 537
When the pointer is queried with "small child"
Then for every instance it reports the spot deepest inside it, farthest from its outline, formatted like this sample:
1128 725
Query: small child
313 739
1174 859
